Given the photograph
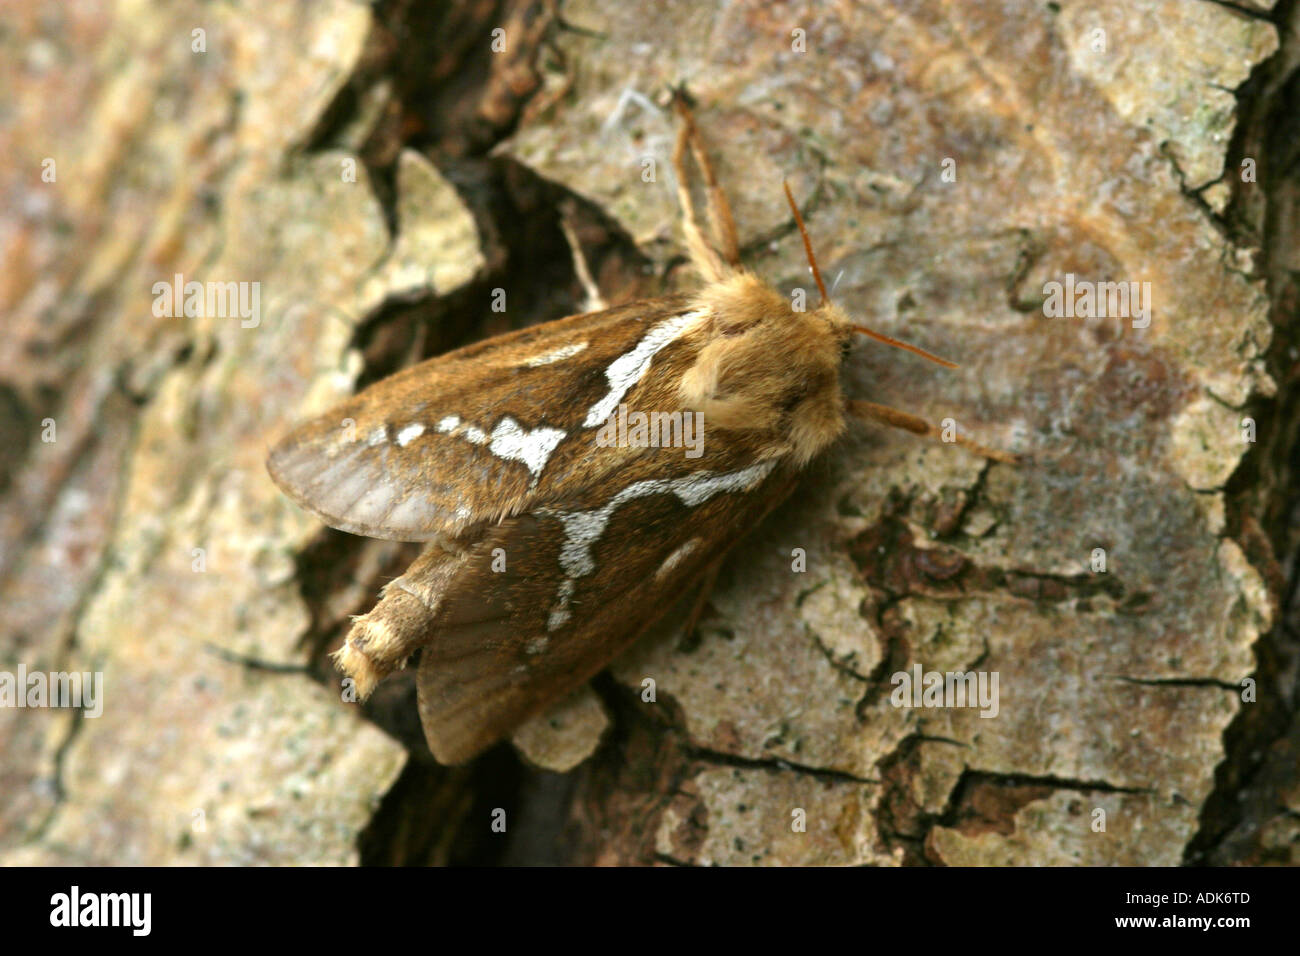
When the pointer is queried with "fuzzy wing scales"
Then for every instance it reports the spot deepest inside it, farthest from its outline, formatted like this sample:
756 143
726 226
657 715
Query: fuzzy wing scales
467 437
576 588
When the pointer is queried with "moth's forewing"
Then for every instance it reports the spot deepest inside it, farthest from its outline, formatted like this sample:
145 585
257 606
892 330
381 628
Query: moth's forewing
501 651
463 438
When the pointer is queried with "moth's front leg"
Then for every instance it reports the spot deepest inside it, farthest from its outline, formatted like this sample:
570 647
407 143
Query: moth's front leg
381 641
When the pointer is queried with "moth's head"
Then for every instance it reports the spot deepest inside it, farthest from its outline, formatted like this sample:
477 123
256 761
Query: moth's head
764 368
838 322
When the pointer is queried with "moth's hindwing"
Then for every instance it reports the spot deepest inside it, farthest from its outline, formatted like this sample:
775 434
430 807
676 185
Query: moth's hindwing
474 435
579 585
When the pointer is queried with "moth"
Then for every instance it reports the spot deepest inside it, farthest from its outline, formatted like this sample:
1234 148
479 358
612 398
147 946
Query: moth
547 549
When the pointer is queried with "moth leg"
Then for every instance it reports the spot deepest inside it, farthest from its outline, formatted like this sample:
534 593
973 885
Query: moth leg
381 641
711 266
595 301
895 418
708 578
718 207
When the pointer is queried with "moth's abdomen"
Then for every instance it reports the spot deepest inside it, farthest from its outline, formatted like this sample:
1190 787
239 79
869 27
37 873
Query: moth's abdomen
403 619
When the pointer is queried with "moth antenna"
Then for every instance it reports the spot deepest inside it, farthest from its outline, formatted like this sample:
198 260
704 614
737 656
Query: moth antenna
807 243
821 287
880 337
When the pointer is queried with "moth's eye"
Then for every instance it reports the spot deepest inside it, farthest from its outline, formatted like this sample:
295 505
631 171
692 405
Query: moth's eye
845 348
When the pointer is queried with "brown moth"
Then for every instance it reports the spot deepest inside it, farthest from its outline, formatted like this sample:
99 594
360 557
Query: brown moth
550 551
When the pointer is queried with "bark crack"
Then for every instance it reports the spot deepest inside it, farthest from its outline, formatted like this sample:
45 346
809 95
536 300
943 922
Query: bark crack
773 765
